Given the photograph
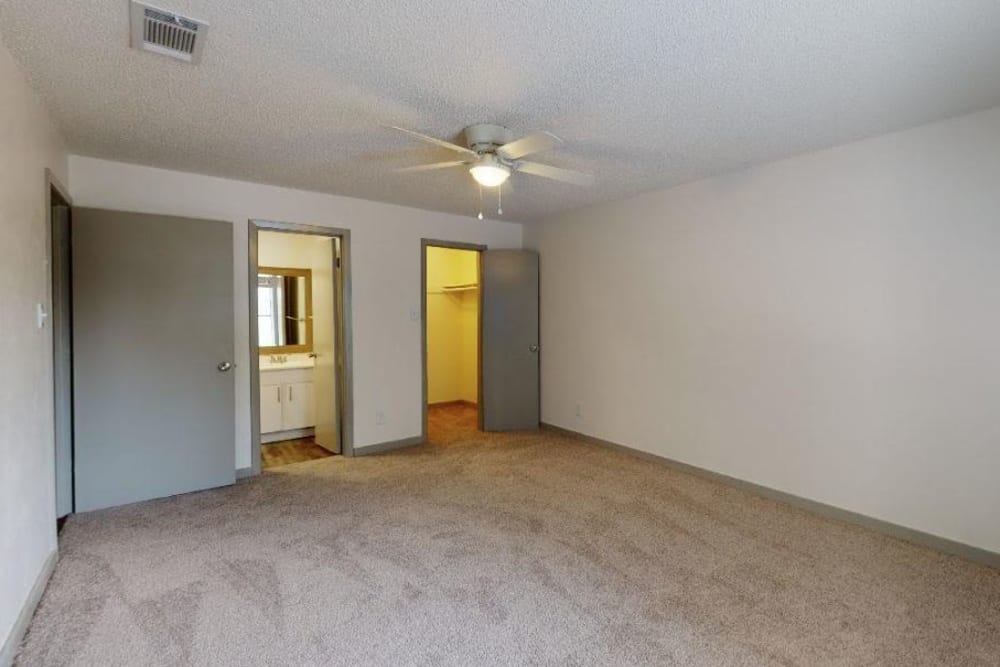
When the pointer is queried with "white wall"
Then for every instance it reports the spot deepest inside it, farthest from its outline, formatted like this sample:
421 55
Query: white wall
826 325
29 144
385 256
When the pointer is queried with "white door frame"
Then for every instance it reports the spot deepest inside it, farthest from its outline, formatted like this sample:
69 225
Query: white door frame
345 356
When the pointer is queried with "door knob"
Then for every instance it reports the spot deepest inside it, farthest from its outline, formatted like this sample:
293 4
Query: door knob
533 348
224 366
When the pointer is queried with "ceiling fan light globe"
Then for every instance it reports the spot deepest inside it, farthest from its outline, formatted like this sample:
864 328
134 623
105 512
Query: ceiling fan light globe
490 175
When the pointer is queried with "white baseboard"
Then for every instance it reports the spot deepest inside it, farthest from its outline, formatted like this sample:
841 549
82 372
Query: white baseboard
13 641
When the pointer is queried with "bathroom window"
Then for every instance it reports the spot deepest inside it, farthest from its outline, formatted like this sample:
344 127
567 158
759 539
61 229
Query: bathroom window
269 307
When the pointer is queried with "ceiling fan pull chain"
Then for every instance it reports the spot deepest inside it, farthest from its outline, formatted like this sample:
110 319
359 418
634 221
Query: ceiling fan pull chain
500 199
480 216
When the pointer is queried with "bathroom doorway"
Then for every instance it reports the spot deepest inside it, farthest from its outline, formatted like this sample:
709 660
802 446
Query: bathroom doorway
452 340
299 302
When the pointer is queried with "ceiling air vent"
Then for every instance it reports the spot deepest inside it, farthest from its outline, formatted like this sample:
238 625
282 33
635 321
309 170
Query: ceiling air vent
166 33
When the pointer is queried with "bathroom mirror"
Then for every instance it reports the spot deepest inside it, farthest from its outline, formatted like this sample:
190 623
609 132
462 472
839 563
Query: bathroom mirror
284 310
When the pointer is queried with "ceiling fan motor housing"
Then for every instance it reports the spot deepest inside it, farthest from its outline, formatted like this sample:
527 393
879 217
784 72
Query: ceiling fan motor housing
494 154
485 138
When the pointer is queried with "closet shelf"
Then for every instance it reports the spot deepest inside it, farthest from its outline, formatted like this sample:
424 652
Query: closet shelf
459 288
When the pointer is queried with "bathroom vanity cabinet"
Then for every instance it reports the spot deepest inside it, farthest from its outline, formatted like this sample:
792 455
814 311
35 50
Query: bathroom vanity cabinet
286 403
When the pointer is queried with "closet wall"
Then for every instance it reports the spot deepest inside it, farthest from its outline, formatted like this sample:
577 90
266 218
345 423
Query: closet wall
452 325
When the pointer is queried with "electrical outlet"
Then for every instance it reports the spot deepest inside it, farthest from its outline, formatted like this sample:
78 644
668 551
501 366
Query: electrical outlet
379 418
579 411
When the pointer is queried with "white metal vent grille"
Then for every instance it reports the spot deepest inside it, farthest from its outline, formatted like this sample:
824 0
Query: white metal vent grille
166 33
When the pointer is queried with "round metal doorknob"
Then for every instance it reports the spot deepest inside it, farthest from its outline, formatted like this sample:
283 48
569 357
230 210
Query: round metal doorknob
224 366
533 348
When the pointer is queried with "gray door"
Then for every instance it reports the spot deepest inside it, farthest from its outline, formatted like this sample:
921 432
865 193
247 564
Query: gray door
327 429
152 322
62 355
510 340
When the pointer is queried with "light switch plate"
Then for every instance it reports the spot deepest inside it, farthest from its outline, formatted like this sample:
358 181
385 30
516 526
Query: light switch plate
42 315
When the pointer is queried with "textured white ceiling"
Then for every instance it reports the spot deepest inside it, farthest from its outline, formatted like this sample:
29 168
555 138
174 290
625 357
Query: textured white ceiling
645 94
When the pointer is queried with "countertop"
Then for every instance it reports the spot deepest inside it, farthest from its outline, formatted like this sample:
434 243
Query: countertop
291 364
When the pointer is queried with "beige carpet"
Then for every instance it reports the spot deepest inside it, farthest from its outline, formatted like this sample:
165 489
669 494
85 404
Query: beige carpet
516 549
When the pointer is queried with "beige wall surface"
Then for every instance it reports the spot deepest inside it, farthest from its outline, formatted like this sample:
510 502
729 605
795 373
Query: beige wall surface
825 325
29 144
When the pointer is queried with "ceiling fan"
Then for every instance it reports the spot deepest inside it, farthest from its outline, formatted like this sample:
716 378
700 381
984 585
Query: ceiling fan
492 157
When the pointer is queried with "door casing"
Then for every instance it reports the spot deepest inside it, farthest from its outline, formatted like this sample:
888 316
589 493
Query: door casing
62 331
454 245
342 289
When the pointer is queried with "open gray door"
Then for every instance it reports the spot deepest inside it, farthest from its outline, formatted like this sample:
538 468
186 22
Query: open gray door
153 348
510 340
327 431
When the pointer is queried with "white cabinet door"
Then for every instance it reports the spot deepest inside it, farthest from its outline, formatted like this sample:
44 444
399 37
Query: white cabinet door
270 408
298 405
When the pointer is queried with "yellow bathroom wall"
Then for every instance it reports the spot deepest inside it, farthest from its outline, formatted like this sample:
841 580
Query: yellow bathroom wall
452 326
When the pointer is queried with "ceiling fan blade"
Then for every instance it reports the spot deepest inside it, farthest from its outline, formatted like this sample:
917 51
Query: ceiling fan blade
533 143
556 173
434 140
434 165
